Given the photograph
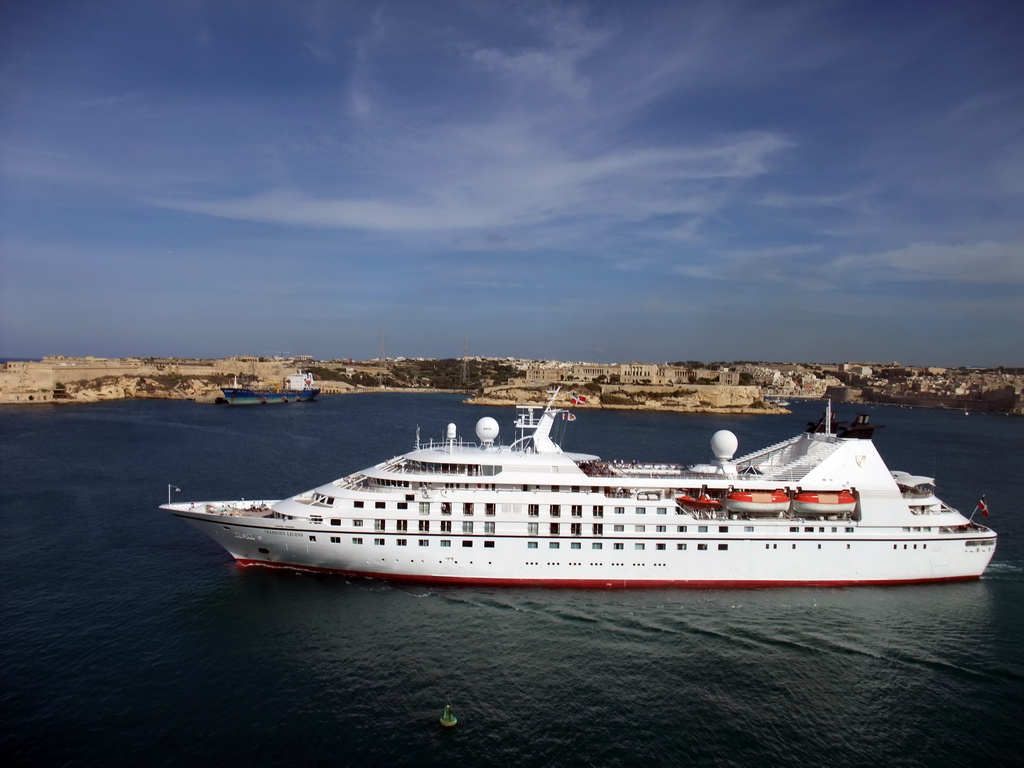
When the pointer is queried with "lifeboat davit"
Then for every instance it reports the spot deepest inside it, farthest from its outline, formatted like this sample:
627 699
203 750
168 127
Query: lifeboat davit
757 502
700 502
816 503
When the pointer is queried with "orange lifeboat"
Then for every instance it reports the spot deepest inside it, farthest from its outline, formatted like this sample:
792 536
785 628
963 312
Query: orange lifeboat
700 502
818 503
757 502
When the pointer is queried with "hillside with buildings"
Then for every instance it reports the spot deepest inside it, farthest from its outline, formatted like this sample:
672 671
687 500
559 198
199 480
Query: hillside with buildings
686 386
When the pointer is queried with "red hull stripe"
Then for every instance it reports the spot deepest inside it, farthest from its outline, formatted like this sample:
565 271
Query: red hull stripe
605 583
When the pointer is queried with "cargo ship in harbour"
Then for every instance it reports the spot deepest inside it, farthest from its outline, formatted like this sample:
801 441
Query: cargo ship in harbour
298 388
819 509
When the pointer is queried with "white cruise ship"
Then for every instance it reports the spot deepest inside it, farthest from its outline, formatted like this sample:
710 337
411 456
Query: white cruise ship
819 509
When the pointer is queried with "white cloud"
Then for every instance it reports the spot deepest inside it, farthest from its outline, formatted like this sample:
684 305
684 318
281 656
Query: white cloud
986 262
557 71
810 269
566 41
487 186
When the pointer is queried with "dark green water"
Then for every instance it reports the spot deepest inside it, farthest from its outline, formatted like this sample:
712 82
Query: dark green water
128 638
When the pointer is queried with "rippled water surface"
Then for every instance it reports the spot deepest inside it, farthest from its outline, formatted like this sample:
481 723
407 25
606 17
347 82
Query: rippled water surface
128 638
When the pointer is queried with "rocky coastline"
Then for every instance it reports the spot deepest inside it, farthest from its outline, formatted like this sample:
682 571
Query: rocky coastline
694 399
136 387
62 380
708 398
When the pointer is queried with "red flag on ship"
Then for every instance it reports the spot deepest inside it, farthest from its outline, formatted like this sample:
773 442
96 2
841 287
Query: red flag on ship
578 399
983 506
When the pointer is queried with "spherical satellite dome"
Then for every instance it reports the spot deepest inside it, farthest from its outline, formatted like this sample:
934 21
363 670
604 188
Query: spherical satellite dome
487 429
724 444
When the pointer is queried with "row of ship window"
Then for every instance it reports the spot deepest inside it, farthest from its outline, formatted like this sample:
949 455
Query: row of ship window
490 508
529 545
575 529
597 545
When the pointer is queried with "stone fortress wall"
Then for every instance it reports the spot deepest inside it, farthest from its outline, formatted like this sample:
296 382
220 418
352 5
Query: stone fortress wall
38 381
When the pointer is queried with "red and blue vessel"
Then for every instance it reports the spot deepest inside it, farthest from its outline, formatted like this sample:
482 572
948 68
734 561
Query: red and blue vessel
298 388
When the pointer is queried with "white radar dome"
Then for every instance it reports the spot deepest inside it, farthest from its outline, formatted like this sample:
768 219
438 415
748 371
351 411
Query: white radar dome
451 432
487 429
724 444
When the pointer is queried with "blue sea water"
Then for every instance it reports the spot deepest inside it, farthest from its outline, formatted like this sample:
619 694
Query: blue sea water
129 638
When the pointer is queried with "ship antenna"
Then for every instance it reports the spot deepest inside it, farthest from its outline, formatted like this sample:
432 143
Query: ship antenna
554 396
417 437
828 416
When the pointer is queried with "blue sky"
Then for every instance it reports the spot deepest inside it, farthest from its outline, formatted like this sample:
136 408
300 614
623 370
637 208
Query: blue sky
603 181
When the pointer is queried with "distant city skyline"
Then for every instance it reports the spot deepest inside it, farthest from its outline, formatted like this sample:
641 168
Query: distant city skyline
818 182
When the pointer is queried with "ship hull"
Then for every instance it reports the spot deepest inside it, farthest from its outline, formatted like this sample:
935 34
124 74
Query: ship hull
243 396
866 557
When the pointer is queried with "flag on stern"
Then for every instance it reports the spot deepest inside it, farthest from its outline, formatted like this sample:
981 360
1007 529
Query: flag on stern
578 399
982 506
